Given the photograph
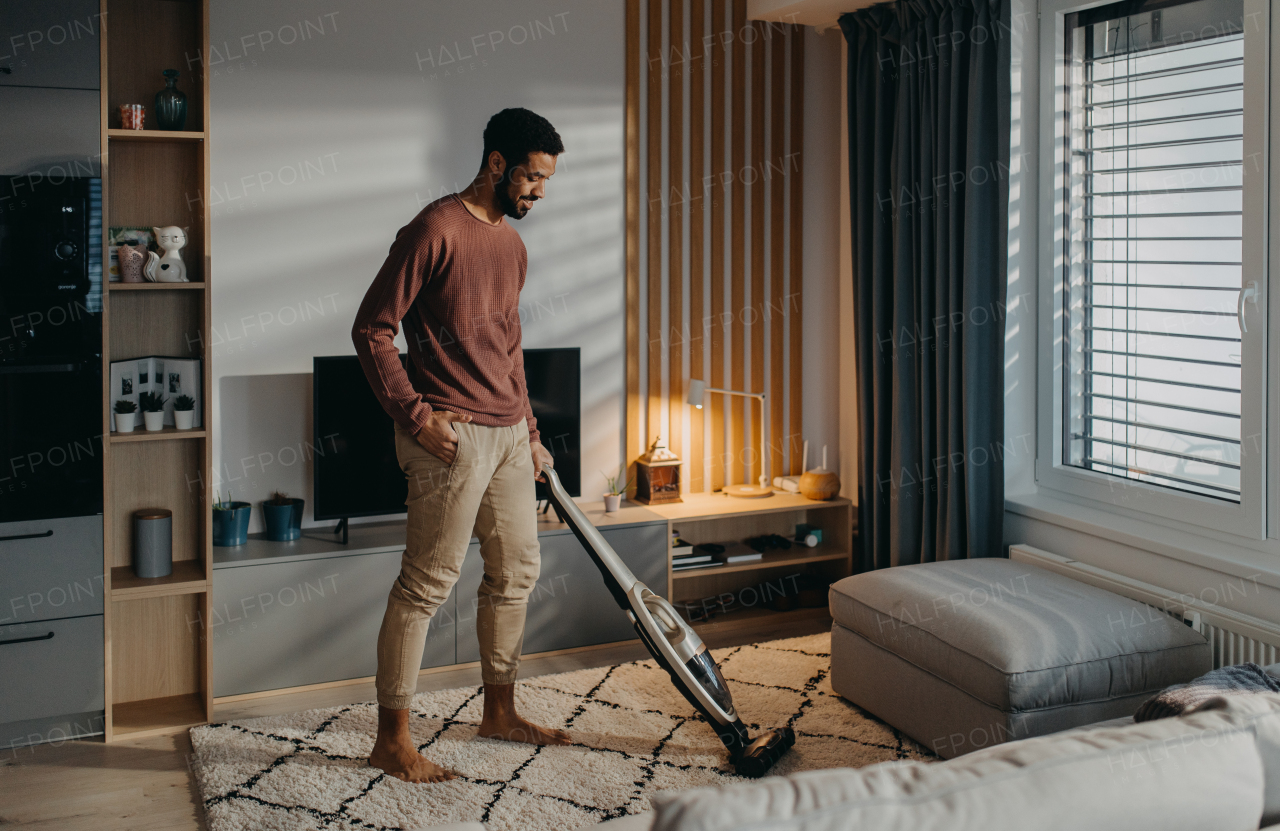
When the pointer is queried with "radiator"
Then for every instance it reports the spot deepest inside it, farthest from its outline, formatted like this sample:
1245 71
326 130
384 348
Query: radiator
1235 637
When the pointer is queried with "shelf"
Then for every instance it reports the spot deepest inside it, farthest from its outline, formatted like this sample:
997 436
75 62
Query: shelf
772 560
157 716
718 505
187 578
154 135
740 618
118 286
159 435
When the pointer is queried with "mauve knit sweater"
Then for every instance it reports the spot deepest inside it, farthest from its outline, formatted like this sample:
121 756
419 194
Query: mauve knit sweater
455 281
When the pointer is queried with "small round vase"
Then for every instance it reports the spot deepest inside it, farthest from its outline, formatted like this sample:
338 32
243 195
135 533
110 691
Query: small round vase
131 258
820 484
171 103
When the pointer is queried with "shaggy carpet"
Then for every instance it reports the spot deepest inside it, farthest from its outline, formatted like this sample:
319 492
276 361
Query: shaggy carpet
633 735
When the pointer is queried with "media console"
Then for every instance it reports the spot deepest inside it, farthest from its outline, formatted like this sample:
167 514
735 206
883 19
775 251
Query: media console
308 611
292 614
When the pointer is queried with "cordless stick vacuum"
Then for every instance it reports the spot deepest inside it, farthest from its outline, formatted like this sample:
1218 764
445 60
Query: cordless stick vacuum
675 646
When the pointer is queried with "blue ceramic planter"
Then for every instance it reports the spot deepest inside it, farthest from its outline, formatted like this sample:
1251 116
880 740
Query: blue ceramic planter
231 525
284 522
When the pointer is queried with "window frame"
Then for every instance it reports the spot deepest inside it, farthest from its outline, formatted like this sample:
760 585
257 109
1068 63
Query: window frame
1249 517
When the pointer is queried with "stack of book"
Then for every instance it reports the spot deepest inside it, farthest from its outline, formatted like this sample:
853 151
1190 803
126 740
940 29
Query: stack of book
736 552
685 556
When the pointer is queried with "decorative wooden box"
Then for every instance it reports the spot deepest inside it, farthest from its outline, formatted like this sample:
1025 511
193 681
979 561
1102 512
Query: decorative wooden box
658 476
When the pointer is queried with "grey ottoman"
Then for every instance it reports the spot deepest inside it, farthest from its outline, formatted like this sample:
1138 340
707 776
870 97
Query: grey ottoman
966 654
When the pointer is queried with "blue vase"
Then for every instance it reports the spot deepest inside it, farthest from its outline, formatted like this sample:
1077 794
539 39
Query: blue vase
231 524
171 103
284 522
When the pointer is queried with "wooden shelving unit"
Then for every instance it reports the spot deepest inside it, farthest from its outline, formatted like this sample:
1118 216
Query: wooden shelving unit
155 286
159 435
751 618
773 559
154 135
706 517
158 660
188 578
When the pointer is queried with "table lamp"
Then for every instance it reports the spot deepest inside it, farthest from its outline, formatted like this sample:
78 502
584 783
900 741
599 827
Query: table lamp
697 392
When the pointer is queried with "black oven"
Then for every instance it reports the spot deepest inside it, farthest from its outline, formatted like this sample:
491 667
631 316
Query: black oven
50 347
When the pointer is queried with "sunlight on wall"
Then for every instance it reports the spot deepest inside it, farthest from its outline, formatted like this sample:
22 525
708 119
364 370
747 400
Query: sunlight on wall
323 148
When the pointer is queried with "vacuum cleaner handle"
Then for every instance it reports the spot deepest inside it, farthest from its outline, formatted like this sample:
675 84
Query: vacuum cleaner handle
617 576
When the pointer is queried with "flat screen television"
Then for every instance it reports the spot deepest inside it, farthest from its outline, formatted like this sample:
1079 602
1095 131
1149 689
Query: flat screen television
355 469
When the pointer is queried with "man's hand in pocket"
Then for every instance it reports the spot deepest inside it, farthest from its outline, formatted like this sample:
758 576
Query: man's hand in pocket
438 437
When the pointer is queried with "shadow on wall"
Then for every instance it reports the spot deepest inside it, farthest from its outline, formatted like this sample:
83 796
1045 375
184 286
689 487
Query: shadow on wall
267 442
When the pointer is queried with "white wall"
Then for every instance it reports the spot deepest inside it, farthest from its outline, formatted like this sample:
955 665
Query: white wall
332 125
323 147
823 149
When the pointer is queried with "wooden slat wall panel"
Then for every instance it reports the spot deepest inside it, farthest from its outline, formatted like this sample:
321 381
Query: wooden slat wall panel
653 195
676 197
632 428
719 196
777 288
695 469
735 445
748 303
795 280
753 314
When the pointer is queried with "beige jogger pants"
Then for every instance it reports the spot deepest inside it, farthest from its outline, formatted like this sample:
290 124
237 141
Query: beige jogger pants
489 489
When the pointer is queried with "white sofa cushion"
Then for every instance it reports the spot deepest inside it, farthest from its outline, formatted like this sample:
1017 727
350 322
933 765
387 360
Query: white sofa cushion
1261 713
1195 772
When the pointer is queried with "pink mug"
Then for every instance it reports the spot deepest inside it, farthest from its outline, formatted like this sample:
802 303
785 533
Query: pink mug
132 116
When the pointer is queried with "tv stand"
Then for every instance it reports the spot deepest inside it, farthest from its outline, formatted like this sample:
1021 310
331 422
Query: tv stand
342 528
308 611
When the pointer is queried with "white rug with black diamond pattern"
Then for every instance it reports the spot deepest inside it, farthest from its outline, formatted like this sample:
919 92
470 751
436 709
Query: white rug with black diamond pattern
633 733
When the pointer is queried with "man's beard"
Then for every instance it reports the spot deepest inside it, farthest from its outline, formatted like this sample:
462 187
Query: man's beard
510 207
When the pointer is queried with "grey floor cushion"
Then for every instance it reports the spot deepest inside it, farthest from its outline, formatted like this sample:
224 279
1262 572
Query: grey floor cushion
966 654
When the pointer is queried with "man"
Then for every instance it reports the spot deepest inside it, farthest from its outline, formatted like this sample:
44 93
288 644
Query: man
465 435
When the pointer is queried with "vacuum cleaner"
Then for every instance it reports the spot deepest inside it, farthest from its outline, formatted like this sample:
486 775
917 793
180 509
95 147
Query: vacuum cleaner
674 644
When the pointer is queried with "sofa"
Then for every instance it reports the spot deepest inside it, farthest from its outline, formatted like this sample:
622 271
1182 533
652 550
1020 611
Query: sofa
1216 769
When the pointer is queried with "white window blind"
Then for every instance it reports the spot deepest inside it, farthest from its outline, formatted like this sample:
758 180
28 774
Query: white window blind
1152 346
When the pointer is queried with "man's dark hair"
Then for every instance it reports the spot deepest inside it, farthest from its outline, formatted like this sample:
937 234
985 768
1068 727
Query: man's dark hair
517 132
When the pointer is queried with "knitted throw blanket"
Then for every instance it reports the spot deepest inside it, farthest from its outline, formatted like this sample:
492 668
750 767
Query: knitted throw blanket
1240 679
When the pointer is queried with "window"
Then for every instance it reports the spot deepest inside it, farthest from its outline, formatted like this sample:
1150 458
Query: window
1156 193
1155 161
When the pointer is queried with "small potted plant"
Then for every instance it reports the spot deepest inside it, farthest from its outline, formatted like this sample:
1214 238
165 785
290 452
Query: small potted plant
152 410
124 416
230 522
283 517
613 497
184 411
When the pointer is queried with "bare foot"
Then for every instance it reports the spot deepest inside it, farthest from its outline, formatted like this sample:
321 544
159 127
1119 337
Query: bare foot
395 755
501 721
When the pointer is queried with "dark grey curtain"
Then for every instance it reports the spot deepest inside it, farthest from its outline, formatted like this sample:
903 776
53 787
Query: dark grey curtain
928 181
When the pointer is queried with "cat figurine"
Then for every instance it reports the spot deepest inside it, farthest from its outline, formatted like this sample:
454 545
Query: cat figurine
168 268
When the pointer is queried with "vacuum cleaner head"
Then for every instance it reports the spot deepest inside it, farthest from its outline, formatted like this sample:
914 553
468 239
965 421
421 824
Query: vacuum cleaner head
761 754
674 644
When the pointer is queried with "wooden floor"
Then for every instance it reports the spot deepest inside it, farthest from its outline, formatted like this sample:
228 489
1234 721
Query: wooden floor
145 784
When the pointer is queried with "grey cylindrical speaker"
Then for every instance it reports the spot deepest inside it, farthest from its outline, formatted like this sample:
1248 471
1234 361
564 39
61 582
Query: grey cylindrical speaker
153 542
